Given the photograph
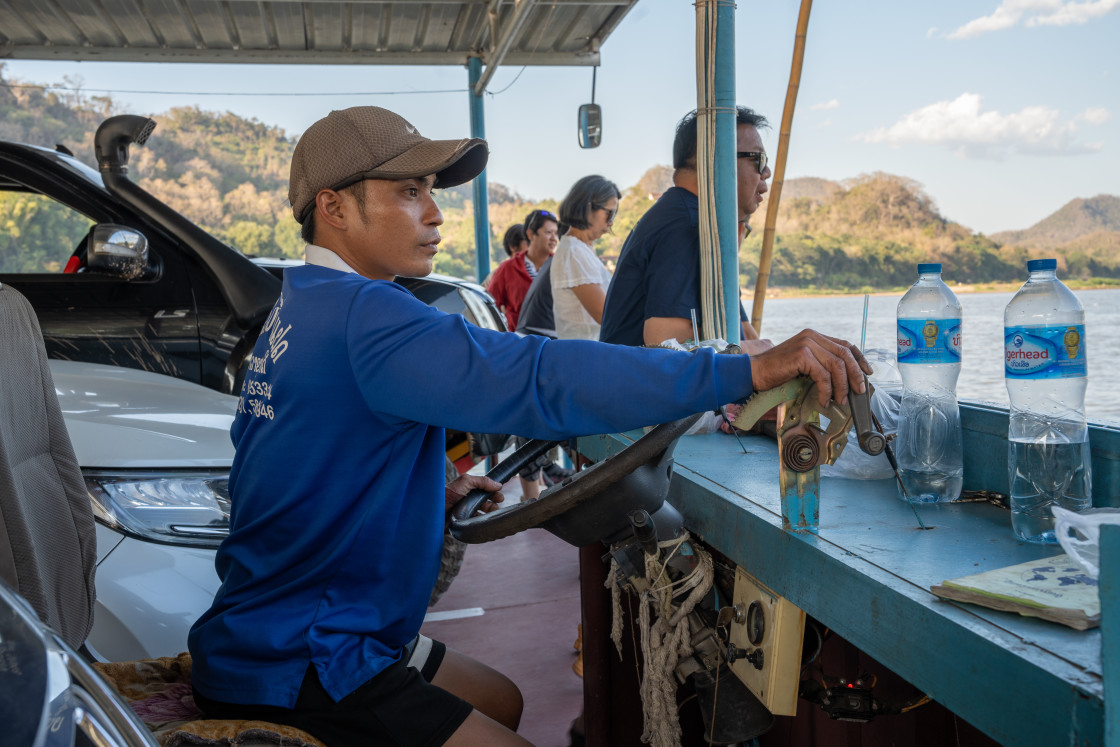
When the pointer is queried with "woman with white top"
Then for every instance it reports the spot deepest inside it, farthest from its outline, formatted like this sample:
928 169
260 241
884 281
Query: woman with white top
579 278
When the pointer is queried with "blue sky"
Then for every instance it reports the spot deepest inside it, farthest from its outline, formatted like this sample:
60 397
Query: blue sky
1002 110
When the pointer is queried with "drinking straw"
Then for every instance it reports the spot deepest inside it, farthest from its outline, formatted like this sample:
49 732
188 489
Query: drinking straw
863 334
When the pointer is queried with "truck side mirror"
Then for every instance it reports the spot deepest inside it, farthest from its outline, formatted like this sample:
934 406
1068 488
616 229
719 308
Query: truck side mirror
590 125
117 250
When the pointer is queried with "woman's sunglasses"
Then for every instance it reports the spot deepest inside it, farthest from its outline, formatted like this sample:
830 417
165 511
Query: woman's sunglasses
611 212
537 218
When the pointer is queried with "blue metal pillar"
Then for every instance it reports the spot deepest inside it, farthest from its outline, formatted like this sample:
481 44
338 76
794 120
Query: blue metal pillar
725 169
481 208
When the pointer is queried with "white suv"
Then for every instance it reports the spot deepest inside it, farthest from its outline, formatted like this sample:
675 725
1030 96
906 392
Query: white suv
155 452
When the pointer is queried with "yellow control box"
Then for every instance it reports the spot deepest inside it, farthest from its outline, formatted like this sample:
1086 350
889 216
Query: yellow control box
767 632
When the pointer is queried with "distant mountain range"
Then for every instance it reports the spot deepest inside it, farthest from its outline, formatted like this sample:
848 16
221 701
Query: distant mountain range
868 226
1096 219
1081 222
229 174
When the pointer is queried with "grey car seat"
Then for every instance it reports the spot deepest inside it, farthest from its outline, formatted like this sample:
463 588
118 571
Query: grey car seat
48 537
47 546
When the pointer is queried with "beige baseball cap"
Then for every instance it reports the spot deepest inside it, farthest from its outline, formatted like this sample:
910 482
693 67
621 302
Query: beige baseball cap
368 142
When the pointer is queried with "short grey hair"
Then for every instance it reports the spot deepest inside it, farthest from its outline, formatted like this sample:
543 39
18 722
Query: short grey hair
575 210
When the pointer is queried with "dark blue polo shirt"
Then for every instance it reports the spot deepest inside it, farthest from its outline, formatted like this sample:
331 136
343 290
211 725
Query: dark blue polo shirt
658 272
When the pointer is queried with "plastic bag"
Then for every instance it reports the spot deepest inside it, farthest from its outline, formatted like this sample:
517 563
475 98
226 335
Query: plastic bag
1079 534
709 423
854 463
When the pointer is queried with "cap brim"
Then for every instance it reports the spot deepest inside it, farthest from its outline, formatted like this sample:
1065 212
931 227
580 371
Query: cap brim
453 162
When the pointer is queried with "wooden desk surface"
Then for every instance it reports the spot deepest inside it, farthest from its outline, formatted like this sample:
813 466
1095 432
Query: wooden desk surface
867 576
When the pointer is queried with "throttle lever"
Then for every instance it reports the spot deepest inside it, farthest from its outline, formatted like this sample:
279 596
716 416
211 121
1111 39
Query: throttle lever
870 440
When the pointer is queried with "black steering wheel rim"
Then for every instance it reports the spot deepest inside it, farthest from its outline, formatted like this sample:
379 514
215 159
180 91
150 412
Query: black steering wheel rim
558 499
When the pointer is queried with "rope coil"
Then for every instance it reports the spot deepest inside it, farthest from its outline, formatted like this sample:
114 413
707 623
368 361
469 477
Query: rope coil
666 640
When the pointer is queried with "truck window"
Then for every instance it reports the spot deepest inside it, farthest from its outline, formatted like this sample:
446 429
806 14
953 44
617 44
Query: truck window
37 234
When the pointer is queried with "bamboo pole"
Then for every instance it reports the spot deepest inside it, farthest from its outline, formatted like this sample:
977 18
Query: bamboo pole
780 167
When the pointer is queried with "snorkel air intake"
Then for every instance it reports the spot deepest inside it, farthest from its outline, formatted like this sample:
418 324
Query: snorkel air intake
113 138
249 290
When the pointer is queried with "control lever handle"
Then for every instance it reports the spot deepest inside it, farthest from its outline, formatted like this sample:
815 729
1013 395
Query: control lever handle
870 440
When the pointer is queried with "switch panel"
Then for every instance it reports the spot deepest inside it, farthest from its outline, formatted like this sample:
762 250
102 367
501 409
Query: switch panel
766 632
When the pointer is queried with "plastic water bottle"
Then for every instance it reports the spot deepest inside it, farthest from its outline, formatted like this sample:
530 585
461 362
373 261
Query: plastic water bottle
1046 373
928 447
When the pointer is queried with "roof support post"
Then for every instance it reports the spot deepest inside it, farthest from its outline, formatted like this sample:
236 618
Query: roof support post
717 169
727 165
481 207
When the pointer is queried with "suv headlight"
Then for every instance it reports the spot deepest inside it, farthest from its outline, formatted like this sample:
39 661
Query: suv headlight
189 509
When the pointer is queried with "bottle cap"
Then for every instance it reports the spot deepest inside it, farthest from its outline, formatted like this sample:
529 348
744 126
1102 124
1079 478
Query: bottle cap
929 267
1034 265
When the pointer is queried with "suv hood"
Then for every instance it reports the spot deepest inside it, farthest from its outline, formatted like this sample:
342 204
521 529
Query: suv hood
127 418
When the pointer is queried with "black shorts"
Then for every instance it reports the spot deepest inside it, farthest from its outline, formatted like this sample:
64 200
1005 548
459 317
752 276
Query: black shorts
399 706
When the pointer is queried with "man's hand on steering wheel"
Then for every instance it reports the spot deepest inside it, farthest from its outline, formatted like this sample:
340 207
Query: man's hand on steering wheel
835 365
458 488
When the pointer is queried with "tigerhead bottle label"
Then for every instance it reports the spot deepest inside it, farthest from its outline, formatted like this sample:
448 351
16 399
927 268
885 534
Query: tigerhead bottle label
1045 351
929 340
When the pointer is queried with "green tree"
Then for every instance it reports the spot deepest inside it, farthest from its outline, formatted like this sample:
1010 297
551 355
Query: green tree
37 234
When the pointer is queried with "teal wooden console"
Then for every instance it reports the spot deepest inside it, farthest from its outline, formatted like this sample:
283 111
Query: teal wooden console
866 574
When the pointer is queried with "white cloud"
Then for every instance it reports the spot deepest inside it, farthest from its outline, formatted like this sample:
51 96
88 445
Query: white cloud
961 125
932 32
826 123
1095 115
1035 13
1008 14
1075 13
834 104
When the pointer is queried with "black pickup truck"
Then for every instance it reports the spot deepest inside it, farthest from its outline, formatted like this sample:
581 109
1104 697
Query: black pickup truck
118 277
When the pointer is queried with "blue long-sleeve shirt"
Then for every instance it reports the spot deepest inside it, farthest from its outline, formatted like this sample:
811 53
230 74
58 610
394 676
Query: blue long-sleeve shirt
337 485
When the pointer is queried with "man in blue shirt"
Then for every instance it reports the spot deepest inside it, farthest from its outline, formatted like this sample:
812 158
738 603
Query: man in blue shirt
656 284
338 506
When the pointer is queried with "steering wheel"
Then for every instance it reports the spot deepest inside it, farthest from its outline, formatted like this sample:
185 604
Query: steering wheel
646 458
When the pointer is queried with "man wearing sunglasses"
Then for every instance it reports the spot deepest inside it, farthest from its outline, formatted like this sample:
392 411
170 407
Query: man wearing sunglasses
510 282
656 283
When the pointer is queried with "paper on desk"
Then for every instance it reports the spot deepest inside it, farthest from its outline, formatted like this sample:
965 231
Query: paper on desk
1055 589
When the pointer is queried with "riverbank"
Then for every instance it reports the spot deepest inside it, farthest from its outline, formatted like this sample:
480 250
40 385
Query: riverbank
959 288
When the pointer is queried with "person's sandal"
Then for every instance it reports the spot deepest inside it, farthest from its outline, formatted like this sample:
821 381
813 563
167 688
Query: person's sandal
553 473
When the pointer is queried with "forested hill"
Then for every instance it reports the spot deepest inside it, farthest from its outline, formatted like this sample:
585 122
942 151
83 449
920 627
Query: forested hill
229 174
1086 232
870 231
1073 221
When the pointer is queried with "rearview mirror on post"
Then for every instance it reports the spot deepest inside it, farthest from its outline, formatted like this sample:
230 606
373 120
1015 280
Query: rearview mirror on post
590 125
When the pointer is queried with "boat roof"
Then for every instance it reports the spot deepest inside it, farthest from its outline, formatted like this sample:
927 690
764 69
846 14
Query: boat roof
436 32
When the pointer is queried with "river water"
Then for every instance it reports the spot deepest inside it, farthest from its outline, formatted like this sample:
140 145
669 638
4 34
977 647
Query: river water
982 361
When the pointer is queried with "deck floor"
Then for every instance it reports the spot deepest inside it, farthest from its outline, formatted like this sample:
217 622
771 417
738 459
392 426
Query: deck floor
527 587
